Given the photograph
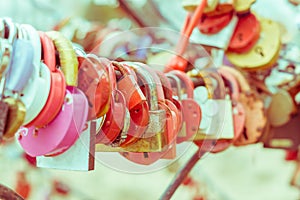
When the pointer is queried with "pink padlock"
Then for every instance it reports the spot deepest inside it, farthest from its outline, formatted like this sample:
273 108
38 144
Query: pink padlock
62 132
239 116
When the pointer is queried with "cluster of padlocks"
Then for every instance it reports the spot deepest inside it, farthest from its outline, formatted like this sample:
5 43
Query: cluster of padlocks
58 100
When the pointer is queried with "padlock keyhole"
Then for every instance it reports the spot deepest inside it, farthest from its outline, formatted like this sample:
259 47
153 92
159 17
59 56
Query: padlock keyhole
259 50
240 37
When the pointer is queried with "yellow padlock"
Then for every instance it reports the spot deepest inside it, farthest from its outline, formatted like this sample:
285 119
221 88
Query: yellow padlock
191 5
243 6
264 53
67 57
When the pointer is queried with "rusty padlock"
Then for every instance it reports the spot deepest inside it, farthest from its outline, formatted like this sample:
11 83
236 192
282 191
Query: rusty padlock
256 119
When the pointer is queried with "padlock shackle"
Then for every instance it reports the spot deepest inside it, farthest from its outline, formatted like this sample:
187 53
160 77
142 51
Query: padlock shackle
12 30
48 51
234 86
150 85
206 79
242 81
159 89
34 38
67 57
177 82
167 88
189 85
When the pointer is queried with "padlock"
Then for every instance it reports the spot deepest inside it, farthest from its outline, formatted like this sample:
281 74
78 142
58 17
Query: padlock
154 138
176 108
22 54
284 137
217 119
103 91
239 115
81 156
214 24
36 91
191 5
115 117
238 112
174 104
66 56
21 60
223 7
281 108
243 6
57 89
256 120
147 158
61 133
171 131
114 120
190 108
3 106
92 77
135 102
246 34
264 53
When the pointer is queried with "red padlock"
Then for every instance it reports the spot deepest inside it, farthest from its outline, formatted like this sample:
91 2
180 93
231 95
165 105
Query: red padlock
158 109
214 24
104 88
94 82
135 101
191 110
115 117
246 34
58 85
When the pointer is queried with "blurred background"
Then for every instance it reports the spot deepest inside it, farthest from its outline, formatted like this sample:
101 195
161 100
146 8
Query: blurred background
245 173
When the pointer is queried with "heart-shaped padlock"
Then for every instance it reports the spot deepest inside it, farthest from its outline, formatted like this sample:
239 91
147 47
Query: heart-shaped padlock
57 89
115 117
103 91
21 60
36 91
174 104
246 34
176 108
254 108
190 108
92 78
135 102
264 53
62 132
214 24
